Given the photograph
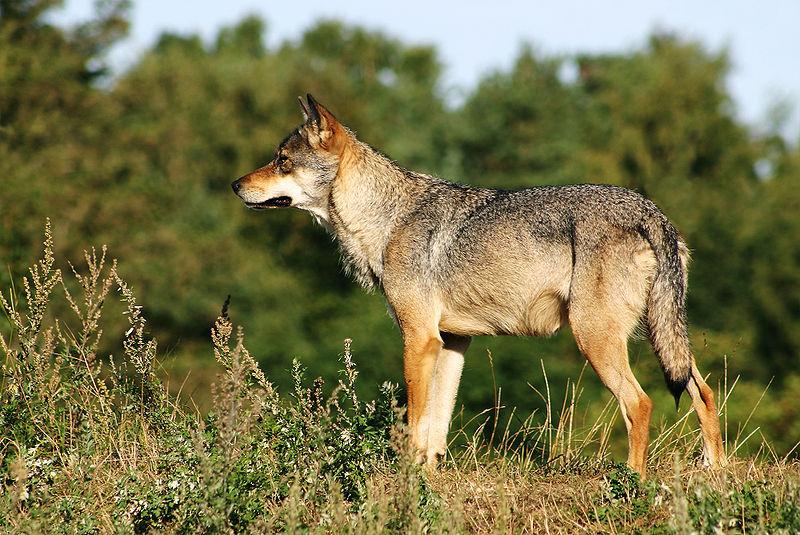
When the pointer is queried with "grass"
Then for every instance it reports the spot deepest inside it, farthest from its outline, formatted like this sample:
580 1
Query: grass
95 443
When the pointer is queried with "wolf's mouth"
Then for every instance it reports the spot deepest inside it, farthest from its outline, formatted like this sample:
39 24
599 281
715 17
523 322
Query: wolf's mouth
275 202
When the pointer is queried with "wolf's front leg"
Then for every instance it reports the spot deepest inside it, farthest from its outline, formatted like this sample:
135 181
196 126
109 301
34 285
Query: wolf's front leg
420 352
435 421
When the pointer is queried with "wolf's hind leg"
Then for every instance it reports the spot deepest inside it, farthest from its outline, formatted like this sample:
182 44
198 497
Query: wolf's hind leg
435 421
608 355
703 403
607 298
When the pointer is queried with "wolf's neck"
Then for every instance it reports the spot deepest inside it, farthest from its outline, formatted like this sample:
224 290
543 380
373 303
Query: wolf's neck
369 197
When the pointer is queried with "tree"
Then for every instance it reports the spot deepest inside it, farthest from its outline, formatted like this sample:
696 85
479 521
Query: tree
520 128
52 133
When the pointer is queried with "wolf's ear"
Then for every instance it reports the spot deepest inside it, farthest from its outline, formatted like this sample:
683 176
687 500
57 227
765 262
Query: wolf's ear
313 111
325 132
303 108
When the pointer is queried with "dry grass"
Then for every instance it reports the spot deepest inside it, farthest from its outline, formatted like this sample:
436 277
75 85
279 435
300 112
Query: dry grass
500 498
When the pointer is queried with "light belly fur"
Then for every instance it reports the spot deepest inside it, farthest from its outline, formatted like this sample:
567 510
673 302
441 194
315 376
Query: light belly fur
517 298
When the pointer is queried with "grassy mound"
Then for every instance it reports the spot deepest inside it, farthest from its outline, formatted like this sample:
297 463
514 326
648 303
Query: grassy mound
96 443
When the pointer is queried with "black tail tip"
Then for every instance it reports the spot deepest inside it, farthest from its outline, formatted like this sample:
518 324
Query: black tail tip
676 388
677 396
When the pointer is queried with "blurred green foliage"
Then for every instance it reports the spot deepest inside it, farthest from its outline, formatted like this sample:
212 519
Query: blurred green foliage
142 161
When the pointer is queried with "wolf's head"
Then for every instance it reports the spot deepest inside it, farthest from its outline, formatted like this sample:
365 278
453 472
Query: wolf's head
305 164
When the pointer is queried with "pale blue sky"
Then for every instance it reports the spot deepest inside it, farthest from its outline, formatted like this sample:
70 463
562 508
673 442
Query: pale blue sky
476 37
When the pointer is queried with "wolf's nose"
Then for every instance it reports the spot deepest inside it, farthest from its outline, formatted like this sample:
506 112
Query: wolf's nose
236 186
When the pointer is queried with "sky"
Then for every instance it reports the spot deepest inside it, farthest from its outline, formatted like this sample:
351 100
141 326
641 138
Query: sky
476 37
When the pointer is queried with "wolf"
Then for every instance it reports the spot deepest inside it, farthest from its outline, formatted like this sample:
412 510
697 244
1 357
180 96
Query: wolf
456 261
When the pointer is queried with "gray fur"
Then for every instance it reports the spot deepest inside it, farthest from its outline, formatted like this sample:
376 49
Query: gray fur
450 227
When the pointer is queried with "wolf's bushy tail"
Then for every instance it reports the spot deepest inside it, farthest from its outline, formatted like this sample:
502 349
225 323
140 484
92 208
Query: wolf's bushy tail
666 304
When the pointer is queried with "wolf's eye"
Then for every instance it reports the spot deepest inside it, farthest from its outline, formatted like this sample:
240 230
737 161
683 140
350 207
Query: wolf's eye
283 163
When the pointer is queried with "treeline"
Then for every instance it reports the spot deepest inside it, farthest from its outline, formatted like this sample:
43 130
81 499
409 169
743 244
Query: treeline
142 160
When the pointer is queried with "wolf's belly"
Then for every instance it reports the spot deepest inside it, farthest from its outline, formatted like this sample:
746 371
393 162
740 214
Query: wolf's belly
514 287
538 315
